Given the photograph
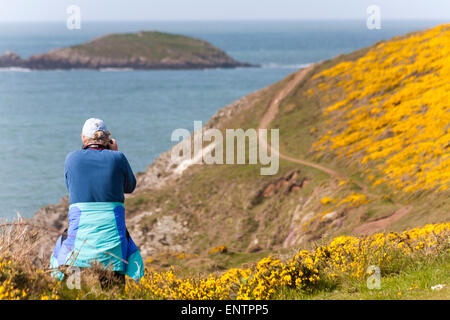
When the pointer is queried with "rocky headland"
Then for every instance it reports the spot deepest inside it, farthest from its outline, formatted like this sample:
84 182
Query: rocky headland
150 50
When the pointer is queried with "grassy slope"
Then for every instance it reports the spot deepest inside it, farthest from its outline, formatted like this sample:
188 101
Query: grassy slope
300 113
414 282
150 45
216 201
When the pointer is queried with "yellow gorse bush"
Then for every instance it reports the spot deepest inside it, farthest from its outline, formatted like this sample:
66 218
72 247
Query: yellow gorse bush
7 289
395 111
220 249
15 284
343 256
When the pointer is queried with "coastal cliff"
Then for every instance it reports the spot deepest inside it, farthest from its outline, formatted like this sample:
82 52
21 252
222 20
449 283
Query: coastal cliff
360 152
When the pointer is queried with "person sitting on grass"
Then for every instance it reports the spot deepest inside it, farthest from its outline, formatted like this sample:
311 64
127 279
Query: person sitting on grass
96 177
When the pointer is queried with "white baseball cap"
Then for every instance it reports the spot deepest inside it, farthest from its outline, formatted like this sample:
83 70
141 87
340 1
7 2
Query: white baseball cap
93 125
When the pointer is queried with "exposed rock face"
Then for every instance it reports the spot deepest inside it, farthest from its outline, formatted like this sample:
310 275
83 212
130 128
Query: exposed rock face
166 235
11 59
54 215
68 58
289 183
163 169
52 221
143 50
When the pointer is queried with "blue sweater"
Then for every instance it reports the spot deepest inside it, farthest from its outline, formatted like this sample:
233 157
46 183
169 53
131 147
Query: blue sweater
98 175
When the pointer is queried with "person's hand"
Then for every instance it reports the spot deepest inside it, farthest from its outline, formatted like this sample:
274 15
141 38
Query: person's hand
113 145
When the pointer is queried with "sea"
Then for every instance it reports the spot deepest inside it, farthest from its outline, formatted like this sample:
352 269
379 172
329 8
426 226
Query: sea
42 112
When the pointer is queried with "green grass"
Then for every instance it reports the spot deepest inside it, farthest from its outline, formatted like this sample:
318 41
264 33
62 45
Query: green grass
413 282
150 45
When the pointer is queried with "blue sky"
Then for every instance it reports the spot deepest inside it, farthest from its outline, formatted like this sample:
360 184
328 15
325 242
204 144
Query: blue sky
101 10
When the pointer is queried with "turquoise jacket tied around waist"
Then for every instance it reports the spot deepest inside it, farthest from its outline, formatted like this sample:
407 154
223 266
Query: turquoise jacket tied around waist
97 233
